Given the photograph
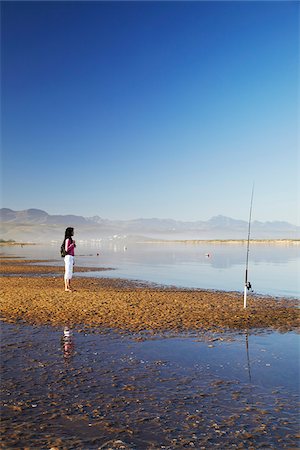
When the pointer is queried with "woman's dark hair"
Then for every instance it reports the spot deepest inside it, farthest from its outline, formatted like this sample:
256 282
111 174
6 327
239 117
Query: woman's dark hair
69 233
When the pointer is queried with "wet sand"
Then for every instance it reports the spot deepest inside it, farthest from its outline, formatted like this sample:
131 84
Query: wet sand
95 389
18 266
132 306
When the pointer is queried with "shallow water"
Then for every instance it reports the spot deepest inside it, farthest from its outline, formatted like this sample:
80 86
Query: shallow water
194 391
273 269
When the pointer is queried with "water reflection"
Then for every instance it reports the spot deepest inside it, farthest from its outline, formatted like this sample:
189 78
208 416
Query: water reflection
248 358
68 346
153 393
272 268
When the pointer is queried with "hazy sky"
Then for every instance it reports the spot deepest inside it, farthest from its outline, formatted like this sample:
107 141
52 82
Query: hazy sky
151 109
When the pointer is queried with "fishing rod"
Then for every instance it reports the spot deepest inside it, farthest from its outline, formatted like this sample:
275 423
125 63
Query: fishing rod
247 283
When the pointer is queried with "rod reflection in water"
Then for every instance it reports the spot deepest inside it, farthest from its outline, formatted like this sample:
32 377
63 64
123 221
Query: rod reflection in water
248 358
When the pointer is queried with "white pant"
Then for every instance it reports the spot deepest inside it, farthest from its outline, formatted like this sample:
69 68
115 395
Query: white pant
69 262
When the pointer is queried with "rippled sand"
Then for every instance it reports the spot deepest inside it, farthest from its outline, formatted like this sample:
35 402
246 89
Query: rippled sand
39 298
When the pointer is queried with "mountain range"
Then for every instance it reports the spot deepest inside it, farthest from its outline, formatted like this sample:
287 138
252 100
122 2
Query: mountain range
35 225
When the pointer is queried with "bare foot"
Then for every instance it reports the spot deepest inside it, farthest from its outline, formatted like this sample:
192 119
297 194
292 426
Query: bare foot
68 290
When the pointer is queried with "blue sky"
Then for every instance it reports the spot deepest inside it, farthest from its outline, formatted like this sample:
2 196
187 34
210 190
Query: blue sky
151 109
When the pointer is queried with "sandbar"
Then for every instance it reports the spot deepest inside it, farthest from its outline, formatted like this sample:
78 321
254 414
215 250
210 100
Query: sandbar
34 294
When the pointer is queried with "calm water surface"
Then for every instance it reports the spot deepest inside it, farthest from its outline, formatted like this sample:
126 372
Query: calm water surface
202 391
273 269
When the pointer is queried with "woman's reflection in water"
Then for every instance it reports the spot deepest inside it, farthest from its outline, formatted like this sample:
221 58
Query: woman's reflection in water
68 344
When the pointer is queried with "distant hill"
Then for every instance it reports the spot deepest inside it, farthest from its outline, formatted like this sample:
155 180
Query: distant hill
35 216
37 225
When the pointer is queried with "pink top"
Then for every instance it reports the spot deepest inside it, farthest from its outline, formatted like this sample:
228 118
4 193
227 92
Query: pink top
69 247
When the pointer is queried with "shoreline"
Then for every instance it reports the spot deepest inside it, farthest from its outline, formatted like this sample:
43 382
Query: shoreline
224 241
124 305
293 241
16 244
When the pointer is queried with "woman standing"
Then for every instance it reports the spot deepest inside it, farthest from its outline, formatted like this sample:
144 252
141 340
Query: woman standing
69 258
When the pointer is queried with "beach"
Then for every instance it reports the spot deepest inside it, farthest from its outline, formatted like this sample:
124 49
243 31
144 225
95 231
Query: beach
143 366
132 306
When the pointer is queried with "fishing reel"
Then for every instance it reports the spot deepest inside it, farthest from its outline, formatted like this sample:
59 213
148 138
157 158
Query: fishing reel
249 286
